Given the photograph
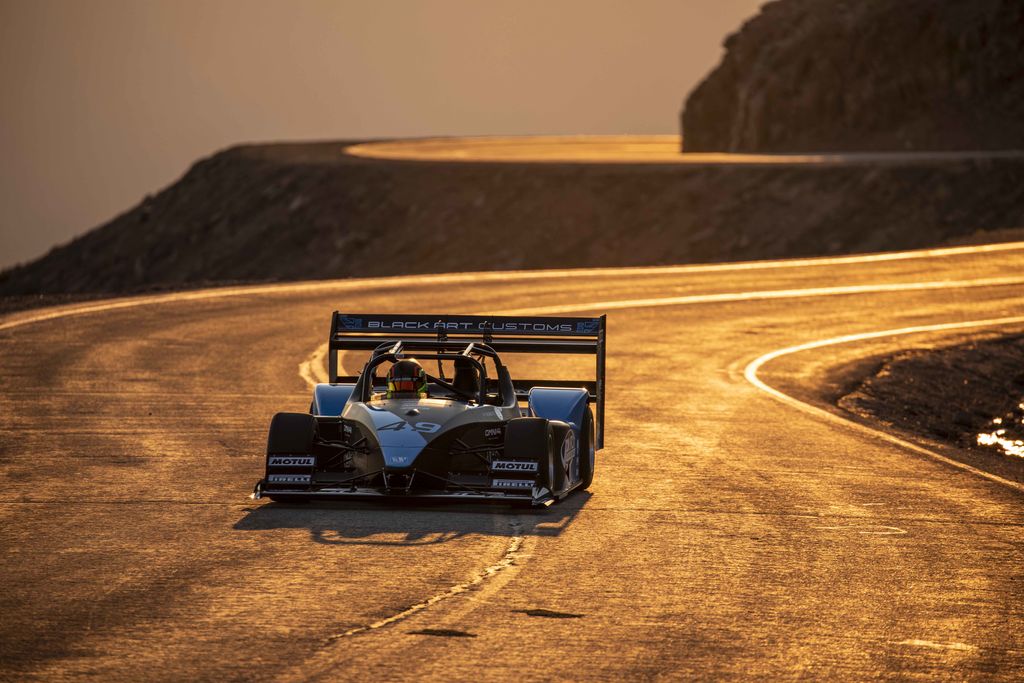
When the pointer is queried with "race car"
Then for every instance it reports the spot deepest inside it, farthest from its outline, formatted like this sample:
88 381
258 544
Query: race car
398 431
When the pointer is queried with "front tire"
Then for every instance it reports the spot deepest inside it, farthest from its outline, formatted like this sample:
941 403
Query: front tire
291 434
533 438
586 450
563 441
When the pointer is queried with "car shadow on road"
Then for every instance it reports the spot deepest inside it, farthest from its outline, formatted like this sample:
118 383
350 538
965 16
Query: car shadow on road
407 524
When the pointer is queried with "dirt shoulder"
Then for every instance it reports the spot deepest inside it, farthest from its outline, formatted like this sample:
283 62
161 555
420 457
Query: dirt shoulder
952 395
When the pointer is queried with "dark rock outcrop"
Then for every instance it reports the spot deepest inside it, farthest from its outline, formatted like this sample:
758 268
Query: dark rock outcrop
838 75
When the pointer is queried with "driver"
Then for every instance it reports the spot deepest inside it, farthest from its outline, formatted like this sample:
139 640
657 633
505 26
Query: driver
407 379
466 380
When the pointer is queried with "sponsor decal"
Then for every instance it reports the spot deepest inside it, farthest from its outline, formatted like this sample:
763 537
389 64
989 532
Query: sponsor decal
399 425
289 478
529 327
291 461
493 432
417 325
512 483
569 448
513 466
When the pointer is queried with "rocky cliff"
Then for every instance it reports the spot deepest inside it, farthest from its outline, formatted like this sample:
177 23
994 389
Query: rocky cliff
833 75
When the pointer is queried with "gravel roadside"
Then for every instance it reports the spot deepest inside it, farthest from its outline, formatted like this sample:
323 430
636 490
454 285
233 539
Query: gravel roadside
970 396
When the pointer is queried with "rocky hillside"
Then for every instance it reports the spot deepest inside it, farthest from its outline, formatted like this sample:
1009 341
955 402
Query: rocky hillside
309 211
824 75
803 75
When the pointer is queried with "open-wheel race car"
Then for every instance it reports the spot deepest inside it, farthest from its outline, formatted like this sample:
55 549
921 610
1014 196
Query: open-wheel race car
395 430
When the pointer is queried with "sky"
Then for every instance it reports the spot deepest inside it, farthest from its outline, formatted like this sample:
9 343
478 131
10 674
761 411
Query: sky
105 101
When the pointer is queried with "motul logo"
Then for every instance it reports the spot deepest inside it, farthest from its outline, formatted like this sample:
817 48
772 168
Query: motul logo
292 461
513 466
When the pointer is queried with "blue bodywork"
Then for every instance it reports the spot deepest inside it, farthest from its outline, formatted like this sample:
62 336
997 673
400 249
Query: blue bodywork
330 399
567 405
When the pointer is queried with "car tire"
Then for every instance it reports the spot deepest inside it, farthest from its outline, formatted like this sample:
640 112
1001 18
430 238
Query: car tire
586 450
533 438
561 433
291 434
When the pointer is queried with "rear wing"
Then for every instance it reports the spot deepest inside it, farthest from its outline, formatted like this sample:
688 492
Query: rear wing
508 334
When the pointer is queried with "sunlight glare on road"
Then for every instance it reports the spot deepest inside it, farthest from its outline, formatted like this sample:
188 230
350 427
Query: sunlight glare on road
611 149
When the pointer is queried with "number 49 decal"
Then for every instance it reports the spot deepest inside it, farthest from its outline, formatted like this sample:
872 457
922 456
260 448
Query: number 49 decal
422 427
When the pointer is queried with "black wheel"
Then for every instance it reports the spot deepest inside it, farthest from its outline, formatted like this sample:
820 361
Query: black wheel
291 434
533 438
586 451
563 452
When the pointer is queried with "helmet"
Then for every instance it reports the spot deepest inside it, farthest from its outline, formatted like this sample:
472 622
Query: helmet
407 379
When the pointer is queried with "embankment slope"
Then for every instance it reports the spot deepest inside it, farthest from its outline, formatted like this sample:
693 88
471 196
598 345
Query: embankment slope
311 211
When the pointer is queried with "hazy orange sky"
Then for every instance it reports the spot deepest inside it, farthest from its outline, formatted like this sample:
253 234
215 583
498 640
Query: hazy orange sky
105 101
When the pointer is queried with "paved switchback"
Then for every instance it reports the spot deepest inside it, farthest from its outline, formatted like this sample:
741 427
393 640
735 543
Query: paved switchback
726 535
628 149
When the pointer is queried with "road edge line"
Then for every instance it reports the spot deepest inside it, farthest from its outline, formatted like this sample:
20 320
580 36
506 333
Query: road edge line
750 374
19 319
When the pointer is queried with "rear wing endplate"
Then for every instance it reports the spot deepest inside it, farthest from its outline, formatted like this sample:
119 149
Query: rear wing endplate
504 334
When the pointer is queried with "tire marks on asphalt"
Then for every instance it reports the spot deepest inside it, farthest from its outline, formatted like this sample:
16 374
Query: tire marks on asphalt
324 662
508 559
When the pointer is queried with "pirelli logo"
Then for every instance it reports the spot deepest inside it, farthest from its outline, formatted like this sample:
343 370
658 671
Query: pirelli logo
291 461
512 483
513 466
289 478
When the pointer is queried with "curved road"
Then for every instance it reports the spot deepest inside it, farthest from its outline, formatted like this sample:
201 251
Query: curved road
730 532
626 149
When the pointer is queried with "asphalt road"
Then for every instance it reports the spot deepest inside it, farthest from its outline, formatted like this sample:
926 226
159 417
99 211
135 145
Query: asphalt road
730 533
